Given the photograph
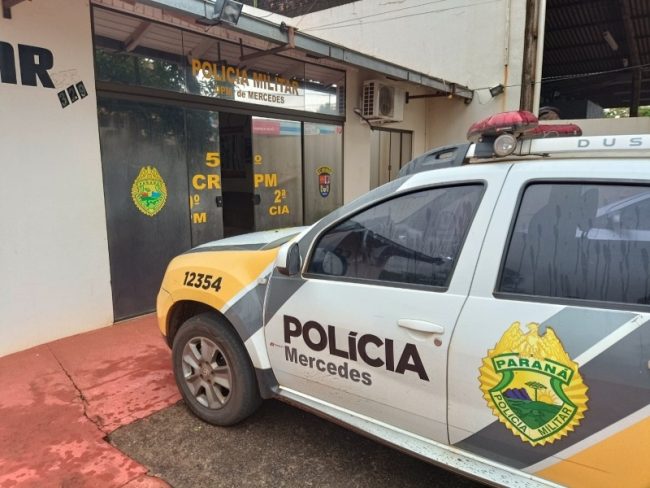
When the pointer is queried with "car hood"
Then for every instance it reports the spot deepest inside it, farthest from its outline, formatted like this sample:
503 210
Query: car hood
266 239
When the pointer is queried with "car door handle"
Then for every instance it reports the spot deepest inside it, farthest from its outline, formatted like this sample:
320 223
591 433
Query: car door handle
421 326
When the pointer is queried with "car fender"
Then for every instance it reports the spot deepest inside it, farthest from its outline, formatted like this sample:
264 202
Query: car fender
239 296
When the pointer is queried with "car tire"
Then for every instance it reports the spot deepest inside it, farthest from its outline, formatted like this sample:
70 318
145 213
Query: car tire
213 371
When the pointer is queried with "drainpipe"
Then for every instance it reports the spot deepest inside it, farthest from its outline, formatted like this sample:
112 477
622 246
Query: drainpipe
506 56
539 58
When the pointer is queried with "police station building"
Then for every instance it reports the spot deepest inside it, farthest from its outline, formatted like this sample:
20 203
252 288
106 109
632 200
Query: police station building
131 131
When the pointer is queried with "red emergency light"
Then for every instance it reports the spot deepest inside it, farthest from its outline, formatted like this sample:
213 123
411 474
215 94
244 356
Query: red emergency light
553 130
514 123
498 134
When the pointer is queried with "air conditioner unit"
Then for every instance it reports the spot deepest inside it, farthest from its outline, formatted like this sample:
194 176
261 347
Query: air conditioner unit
382 102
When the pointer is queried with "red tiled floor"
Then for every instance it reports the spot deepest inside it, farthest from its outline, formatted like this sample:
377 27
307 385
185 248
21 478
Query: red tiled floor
124 371
59 401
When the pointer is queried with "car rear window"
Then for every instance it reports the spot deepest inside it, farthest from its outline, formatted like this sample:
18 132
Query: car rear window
581 241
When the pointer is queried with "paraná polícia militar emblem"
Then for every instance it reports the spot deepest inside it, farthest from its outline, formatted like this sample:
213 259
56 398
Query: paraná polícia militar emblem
532 385
149 192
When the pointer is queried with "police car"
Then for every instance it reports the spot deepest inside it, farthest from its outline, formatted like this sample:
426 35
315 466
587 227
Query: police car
491 316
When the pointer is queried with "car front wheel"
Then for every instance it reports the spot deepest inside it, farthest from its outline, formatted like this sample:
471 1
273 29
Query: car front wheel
213 371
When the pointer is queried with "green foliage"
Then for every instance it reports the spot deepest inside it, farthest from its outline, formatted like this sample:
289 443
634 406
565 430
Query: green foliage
536 386
133 69
624 112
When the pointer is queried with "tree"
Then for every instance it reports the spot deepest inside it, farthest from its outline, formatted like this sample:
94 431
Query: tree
536 386
624 112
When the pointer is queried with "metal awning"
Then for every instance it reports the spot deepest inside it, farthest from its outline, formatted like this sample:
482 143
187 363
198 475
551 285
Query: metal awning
315 47
603 39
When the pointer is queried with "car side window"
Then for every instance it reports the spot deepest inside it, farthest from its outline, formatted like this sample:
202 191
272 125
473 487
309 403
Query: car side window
414 238
581 241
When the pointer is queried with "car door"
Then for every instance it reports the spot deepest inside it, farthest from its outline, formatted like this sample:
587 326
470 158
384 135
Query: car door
548 367
366 325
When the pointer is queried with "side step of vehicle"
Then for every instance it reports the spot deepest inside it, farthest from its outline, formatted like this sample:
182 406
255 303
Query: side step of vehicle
443 455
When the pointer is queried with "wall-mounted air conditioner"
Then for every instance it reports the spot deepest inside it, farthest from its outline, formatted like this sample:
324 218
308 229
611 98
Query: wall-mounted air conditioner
382 102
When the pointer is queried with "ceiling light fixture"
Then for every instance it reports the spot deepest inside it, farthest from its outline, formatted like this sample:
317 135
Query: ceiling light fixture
219 11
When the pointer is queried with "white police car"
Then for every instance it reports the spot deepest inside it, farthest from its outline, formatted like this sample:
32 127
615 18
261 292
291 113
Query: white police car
492 317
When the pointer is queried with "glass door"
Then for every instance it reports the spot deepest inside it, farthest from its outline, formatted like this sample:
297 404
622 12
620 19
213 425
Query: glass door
162 187
145 190
323 169
237 173
389 151
277 173
204 174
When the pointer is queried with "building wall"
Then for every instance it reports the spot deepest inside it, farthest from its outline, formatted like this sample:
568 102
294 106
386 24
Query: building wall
457 40
357 138
53 252
476 44
356 143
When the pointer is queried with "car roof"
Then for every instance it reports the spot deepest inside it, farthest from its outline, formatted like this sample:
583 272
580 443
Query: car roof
544 149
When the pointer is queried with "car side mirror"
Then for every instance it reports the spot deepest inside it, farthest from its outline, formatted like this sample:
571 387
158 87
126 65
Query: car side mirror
288 262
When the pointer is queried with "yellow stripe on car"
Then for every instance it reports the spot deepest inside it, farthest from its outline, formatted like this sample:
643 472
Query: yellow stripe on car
213 278
626 451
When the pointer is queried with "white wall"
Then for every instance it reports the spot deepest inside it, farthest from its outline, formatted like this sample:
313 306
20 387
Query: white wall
53 247
463 41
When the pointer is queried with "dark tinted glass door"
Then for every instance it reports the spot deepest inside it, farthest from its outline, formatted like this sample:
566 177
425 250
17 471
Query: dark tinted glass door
145 187
162 186
237 173
205 179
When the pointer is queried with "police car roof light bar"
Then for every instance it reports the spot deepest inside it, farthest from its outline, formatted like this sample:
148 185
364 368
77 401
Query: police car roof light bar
592 146
498 135
514 123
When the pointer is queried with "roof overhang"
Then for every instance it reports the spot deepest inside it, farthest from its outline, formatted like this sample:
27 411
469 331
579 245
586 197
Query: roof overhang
313 46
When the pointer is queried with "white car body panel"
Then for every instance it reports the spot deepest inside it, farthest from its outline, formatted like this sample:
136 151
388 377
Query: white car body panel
402 400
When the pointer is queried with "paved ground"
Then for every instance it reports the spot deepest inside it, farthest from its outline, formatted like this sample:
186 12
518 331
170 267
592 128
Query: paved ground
280 446
60 400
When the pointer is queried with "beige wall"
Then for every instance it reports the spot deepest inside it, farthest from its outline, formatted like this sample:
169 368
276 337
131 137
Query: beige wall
357 135
53 252
356 143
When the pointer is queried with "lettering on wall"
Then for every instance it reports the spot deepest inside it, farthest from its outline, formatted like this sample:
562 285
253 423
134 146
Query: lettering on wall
32 65
72 94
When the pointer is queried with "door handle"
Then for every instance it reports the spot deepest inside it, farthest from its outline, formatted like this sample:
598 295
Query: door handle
219 201
421 326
